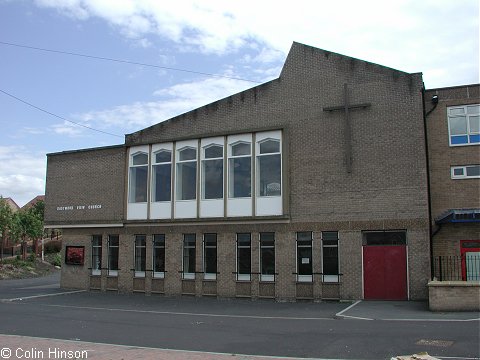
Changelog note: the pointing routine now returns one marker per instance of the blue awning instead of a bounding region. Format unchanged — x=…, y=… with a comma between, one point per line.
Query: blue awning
x=459, y=216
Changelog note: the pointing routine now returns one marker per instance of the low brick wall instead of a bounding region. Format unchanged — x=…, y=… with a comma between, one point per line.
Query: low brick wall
x=454, y=295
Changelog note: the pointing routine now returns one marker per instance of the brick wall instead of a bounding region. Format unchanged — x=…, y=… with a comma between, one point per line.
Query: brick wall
x=447, y=193
x=454, y=296
x=85, y=178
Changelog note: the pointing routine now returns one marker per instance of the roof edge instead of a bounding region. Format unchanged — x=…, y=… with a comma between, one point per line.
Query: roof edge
x=86, y=150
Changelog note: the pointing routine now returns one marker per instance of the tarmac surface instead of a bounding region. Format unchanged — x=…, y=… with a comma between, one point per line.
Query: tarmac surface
x=90, y=325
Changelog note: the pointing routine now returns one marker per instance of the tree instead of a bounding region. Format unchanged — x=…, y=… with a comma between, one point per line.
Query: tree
x=6, y=215
x=26, y=224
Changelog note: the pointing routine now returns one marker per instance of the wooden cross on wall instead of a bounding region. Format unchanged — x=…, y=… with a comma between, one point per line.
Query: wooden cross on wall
x=346, y=107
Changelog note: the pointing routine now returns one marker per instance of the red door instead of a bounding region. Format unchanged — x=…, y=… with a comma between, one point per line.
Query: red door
x=385, y=272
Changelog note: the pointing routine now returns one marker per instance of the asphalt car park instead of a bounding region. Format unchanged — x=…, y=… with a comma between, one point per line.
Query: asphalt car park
x=37, y=311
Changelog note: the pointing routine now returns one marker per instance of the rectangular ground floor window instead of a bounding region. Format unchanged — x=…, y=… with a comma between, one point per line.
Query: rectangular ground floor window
x=267, y=256
x=210, y=256
x=244, y=256
x=330, y=268
x=140, y=255
x=96, y=254
x=113, y=242
x=304, y=257
x=189, y=256
x=159, y=256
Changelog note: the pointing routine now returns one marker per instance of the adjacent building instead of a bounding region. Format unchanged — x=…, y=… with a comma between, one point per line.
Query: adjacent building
x=453, y=121
x=310, y=186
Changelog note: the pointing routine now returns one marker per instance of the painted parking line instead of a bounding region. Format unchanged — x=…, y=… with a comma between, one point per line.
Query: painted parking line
x=40, y=296
x=340, y=314
x=187, y=313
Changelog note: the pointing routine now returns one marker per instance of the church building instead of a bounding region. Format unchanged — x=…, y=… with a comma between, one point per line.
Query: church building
x=311, y=186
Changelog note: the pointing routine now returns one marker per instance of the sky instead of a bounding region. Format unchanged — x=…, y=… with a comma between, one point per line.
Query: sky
x=169, y=57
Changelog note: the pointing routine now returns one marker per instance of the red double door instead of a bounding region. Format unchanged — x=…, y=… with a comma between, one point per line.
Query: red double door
x=385, y=272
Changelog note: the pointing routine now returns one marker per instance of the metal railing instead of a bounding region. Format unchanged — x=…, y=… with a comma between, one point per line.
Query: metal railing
x=457, y=268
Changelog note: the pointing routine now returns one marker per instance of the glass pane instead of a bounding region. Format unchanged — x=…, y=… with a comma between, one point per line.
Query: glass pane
x=214, y=151
x=97, y=240
x=244, y=260
x=162, y=182
x=473, y=170
x=240, y=177
x=140, y=159
x=474, y=124
x=187, y=154
x=455, y=140
x=96, y=255
x=140, y=240
x=304, y=235
x=159, y=260
x=210, y=239
x=138, y=184
x=187, y=181
x=304, y=260
x=241, y=149
x=269, y=169
x=330, y=261
x=140, y=257
x=211, y=260
x=243, y=239
x=113, y=258
x=385, y=238
x=189, y=259
x=267, y=237
x=458, y=125
x=212, y=179
x=458, y=171
x=269, y=146
x=268, y=261
x=473, y=109
x=329, y=235
x=189, y=239
x=163, y=156
x=113, y=240
x=159, y=240
x=474, y=139
x=456, y=111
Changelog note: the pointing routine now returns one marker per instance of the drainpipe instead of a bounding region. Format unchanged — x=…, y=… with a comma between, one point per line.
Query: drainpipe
x=431, y=235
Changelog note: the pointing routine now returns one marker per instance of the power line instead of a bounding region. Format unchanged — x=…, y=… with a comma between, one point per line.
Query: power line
x=57, y=116
x=125, y=61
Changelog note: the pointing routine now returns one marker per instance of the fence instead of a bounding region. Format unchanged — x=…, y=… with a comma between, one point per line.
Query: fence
x=457, y=268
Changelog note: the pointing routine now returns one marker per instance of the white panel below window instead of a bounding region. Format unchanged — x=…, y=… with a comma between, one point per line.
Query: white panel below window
x=137, y=211
x=239, y=207
x=269, y=206
x=208, y=276
x=305, y=278
x=161, y=210
x=186, y=209
x=211, y=208
x=330, y=278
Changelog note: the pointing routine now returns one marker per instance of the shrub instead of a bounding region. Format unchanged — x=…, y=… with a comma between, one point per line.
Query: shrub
x=31, y=257
x=57, y=260
x=53, y=246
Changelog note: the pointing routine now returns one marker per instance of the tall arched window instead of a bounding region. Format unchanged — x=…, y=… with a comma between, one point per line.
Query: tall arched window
x=187, y=174
x=240, y=170
x=162, y=176
x=212, y=172
x=269, y=165
x=138, y=178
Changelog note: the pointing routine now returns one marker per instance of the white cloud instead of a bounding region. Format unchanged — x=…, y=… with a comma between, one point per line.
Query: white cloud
x=22, y=173
x=173, y=101
x=408, y=35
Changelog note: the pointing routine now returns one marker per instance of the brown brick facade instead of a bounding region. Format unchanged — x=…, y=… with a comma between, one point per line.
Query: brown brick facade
x=385, y=190
x=447, y=193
